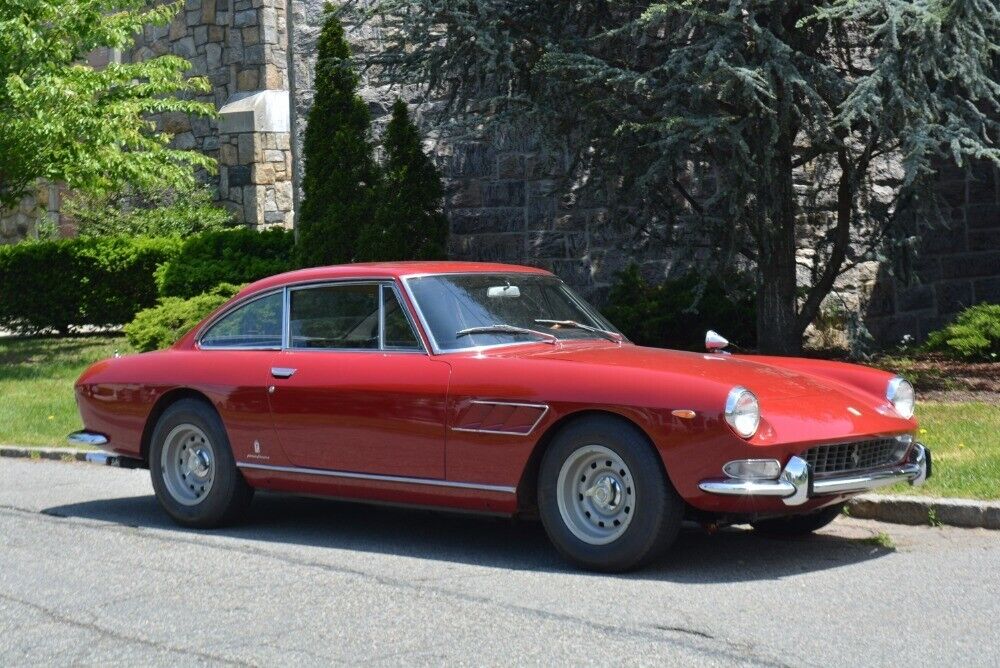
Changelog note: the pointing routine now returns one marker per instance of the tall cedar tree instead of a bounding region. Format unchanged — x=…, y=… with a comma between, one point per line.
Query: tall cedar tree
x=340, y=172
x=740, y=126
x=64, y=121
x=409, y=223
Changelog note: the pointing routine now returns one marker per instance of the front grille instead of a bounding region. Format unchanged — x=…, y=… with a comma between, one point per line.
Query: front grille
x=853, y=456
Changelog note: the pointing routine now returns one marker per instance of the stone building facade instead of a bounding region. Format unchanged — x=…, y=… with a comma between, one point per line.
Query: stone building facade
x=505, y=203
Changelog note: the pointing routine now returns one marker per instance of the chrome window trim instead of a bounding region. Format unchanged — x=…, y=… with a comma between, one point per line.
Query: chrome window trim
x=240, y=303
x=405, y=280
x=378, y=282
x=381, y=478
x=541, y=416
x=421, y=348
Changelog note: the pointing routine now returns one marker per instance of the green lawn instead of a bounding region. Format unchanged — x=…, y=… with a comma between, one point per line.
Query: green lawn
x=965, y=445
x=36, y=385
x=37, y=408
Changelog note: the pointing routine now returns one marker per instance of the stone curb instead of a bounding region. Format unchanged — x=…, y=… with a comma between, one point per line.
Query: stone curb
x=912, y=510
x=55, y=454
x=916, y=510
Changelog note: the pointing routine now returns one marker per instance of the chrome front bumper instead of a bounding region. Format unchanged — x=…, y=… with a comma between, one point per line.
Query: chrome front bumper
x=95, y=440
x=796, y=484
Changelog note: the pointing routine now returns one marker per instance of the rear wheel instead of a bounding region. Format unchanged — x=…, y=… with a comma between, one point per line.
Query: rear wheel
x=603, y=497
x=192, y=467
x=798, y=525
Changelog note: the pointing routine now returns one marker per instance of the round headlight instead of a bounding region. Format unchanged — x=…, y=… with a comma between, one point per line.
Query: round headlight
x=742, y=411
x=900, y=395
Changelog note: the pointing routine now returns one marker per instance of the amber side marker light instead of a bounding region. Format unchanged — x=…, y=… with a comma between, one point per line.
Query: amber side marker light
x=684, y=414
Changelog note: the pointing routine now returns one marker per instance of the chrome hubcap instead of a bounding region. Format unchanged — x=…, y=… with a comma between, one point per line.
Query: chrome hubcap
x=188, y=464
x=595, y=495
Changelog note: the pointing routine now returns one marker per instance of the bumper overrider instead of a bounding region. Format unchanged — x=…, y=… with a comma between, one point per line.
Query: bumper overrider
x=796, y=483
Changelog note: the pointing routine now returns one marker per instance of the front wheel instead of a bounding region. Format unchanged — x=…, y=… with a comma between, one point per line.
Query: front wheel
x=603, y=497
x=798, y=525
x=192, y=467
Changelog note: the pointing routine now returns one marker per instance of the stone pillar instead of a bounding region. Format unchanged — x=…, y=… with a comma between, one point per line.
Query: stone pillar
x=255, y=161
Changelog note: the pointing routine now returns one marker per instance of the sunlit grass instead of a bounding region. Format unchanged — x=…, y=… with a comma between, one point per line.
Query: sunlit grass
x=37, y=406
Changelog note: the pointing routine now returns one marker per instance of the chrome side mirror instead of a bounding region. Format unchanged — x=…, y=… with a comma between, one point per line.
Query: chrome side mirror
x=714, y=342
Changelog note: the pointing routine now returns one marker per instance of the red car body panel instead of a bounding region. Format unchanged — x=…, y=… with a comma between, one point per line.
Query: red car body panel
x=461, y=429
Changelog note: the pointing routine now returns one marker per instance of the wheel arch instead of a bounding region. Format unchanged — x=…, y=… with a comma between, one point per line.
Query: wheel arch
x=527, y=488
x=168, y=399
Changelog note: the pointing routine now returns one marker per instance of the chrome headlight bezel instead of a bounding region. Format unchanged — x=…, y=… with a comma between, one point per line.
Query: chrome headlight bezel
x=899, y=392
x=741, y=420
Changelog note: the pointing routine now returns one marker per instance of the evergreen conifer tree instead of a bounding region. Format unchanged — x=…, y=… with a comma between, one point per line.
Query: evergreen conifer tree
x=340, y=171
x=409, y=223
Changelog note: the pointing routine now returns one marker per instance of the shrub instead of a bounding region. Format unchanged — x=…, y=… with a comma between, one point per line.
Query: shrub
x=179, y=212
x=409, y=223
x=162, y=325
x=68, y=283
x=340, y=175
x=974, y=335
x=229, y=256
x=670, y=314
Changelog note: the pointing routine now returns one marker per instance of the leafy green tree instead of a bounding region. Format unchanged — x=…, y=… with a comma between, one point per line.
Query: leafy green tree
x=340, y=172
x=178, y=212
x=65, y=121
x=409, y=223
x=740, y=126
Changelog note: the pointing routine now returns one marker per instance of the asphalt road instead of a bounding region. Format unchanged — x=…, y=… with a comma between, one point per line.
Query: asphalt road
x=92, y=573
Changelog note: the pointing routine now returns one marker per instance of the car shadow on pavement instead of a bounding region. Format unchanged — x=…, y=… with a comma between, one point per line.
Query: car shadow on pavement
x=734, y=554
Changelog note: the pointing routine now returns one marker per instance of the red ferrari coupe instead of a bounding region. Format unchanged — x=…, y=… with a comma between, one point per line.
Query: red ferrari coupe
x=492, y=388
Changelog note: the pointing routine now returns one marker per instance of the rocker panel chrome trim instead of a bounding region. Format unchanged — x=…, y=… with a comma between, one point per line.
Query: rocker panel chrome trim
x=380, y=478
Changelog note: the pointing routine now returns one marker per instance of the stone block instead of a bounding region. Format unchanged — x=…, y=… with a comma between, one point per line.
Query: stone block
x=511, y=166
x=487, y=221
x=463, y=193
x=251, y=35
x=177, y=28
x=239, y=176
x=971, y=265
x=228, y=154
x=987, y=290
x=503, y=193
x=274, y=77
x=175, y=122
x=246, y=17
x=984, y=240
x=200, y=35
x=274, y=155
x=263, y=173
x=247, y=79
x=915, y=298
x=546, y=245
x=213, y=56
x=283, y=195
x=208, y=11
x=185, y=48
x=245, y=143
x=983, y=216
x=216, y=33
x=184, y=141
x=192, y=18
x=943, y=240
x=254, y=55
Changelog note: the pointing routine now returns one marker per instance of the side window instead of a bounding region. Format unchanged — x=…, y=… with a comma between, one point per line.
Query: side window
x=334, y=317
x=399, y=334
x=254, y=325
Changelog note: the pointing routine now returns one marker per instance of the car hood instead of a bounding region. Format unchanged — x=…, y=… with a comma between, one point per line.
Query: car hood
x=767, y=381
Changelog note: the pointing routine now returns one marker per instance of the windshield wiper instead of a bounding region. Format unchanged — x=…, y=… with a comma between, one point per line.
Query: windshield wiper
x=610, y=336
x=507, y=329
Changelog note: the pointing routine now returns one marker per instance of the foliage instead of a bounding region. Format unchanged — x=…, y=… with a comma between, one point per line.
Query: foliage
x=68, y=283
x=340, y=172
x=678, y=312
x=409, y=222
x=229, y=256
x=36, y=380
x=177, y=212
x=738, y=126
x=63, y=120
x=974, y=335
x=164, y=324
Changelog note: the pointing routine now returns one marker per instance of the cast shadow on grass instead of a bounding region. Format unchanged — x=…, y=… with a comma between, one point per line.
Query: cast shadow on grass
x=731, y=555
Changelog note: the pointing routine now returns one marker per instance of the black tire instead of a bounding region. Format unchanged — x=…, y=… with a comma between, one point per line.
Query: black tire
x=229, y=495
x=656, y=518
x=798, y=525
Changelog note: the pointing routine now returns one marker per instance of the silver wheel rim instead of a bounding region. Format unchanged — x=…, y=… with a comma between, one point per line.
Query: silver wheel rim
x=596, y=495
x=188, y=464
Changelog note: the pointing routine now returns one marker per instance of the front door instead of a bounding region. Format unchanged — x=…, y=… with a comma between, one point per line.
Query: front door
x=354, y=390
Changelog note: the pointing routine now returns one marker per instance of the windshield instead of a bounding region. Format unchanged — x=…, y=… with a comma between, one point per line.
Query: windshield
x=454, y=303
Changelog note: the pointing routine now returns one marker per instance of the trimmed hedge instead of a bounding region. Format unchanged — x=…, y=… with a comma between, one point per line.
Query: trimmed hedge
x=69, y=283
x=229, y=256
x=162, y=325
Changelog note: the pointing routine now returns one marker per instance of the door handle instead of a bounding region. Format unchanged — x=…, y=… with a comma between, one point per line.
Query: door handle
x=282, y=372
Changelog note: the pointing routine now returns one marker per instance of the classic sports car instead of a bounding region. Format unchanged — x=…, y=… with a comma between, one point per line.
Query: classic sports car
x=492, y=388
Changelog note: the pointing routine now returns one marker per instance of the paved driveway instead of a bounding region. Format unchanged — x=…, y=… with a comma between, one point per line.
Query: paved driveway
x=90, y=572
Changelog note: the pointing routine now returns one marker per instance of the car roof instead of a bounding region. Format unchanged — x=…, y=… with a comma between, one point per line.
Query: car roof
x=385, y=270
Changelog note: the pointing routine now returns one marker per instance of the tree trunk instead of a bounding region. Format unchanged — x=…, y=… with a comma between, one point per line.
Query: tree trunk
x=778, y=332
